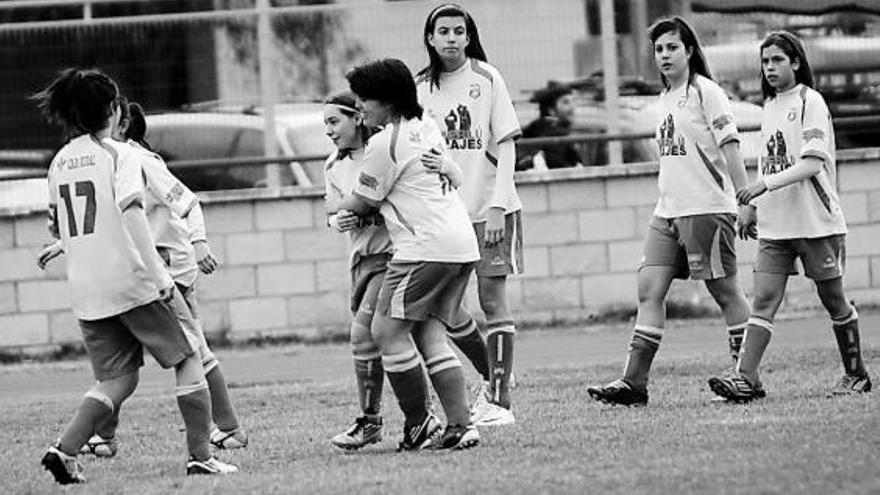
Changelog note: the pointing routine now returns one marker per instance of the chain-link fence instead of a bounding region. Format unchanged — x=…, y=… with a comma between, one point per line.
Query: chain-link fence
x=210, y=69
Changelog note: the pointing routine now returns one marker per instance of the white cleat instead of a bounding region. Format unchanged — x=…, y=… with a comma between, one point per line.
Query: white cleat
x=209, y=466
x=492, y=415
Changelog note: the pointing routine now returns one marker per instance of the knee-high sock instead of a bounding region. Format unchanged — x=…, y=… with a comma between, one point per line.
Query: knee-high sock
x=735, y=335
x=500, y=346
x=94, y=407
x=370, y=375
x=221, y=403
x=468, y=339
x=194, y=402
x=643, y=346
x=407, y=379
x=446, y=374
x=107, y=428
x=755, y=342
x=846, y=331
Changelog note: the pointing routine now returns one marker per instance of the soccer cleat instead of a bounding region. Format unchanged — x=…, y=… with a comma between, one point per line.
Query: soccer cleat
x=363, y=432
x=65, y=468
x=209, y=466
x=492, y=414
x=457, y=437
x=420, y=436
x=100, y=447
x=228, y=440
x=736, y=388
x=851, y=385
x=619, y=392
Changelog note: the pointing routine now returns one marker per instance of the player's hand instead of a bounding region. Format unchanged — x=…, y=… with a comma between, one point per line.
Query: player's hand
x=747, y=221
x=49, y=253
x=347, y=220
x=204, y=257
x=750, y=192
x=494, y=232
x=167, y=294
x=432, y=160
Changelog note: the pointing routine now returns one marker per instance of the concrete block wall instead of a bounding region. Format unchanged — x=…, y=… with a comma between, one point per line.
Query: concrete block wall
x=284, y=273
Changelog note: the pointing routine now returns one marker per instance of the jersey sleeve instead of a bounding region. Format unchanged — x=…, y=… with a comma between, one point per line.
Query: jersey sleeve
x=719, y=115
x=53, y=201
x=817, y=134
x=503, y=123
x=128, y=178
x=332, y=191
x=168, y=188
x=380, y=170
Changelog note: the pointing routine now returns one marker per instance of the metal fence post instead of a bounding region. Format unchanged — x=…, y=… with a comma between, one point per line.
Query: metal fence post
x=268, y=89
x=609, y=70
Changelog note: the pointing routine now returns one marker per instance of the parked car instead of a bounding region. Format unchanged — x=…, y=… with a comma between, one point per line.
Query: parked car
x=229, y=132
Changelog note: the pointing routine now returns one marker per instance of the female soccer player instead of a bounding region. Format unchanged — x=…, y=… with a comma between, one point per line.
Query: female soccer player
x=178, y=228
x=434, y=252
x=371, y=249
x=692, y=231
x=118, y=282
x=469, y=101
x=799, y=216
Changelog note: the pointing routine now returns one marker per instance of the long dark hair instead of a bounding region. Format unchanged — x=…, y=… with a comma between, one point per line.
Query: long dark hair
x=346, y=102
x=137, y=125
x=389, y=81
x=697, y=63
x=474, y=49
x=794, y=49
x=80, y=100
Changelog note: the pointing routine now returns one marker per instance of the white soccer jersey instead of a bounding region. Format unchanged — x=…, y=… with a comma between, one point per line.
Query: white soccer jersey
x=694, y=179
x=90, y=183
x=796, y=124
x=167, y=202
x=473, y=109
x=426, y=220
x=340, y=178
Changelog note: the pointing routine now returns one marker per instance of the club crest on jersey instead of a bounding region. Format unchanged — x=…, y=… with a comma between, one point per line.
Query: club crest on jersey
x=681, y=102
x=460, y=132
x=474, y=91
x=669, y=145
x=368, y=180
x=792, y=114
x=777, y=158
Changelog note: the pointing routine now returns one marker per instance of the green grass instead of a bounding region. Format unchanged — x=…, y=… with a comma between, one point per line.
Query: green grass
x=795, y=441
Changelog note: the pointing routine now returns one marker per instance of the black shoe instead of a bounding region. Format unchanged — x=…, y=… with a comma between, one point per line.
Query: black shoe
x=736, y=388
x=619, y=392
x=457, y=437
x=420, y=436
x=65, y=468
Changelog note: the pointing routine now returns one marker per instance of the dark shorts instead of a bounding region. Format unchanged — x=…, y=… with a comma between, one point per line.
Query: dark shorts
x=701, y=247
x=367, y=268
x=506, y=257
x=416, y=291
x=823, y=258
x=115, y=344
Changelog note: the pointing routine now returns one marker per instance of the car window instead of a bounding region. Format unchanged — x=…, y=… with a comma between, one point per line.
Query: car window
x=186, y=141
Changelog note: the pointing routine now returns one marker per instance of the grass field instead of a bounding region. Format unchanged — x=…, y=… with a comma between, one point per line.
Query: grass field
x=795, y=441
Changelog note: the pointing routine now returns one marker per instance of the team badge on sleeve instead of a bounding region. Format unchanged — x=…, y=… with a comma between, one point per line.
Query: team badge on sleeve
x=810, y=134
x=722, y=121
x=368, y=180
